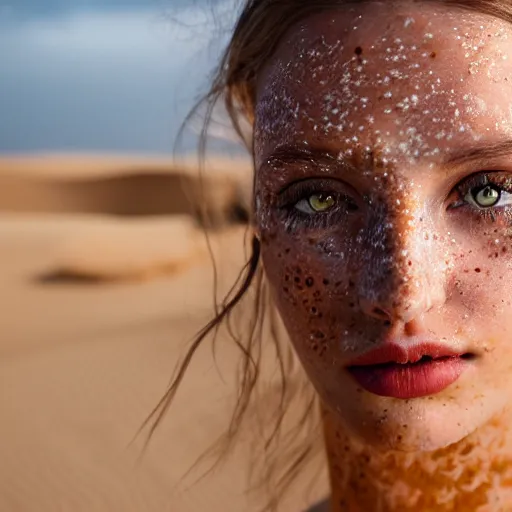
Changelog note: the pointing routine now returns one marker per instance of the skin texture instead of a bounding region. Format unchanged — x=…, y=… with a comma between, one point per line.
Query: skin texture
x=400, y=112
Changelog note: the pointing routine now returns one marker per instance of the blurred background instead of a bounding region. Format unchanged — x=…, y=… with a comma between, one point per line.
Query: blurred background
x=106, y=275
x=105, y=75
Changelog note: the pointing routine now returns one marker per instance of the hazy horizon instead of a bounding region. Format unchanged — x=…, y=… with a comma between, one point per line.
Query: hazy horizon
x=105, y=75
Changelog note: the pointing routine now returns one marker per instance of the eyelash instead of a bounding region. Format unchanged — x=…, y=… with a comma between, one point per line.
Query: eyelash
x=481, y=180
x=303, y=190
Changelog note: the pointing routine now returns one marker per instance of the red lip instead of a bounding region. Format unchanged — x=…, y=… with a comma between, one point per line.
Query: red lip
x=408, y=372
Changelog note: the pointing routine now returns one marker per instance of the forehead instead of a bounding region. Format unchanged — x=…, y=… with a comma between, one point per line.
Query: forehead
x=413, y=78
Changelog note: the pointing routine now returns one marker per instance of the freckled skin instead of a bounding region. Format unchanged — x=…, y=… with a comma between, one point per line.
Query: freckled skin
x=392, y=94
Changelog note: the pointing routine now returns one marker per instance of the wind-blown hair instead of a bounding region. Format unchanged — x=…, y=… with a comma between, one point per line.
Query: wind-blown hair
x=260, y=27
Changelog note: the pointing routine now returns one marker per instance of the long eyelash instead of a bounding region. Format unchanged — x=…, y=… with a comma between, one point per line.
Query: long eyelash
x=302, y=190
x=495, y=214
x=499, y=180
x=295, y=218
x=474, y=181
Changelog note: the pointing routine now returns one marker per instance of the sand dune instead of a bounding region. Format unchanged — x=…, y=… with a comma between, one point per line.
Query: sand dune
x=103, y=249
x=77, y=166
x=96, y=310
x=125, y=188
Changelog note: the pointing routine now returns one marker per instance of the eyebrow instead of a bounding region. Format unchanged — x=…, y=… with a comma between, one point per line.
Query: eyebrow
x=484, y=152
x=293, y=154
x=480, y=153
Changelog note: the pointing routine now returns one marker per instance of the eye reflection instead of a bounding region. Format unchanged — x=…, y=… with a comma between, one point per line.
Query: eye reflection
x=316, y=203
x=486, y=197
x=485, y=192
x=490, y=195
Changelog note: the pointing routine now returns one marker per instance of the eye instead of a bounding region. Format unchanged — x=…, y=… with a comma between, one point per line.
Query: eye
x=316, y=203
x=488, y=196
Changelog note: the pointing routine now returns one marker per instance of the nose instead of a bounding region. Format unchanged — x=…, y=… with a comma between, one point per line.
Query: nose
x=403, y=272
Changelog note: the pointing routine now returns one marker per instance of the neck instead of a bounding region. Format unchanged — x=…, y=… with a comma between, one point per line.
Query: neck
x=474, y=474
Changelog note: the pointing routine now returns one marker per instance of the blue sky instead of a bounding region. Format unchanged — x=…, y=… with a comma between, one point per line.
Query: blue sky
x=104, y=75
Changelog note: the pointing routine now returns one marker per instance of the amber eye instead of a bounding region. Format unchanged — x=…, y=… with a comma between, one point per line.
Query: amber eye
x=316, y=203
x=486, y=197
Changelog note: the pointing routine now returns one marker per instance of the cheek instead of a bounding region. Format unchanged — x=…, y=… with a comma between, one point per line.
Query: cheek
x=315, y=297
x=482, y=271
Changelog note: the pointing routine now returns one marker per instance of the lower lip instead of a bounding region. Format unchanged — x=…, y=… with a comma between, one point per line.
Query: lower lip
x=409, y=380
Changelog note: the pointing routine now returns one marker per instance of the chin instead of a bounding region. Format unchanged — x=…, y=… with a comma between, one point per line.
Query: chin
x=420, y=424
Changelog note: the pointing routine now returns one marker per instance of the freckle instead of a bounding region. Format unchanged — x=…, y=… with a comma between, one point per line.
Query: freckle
x=326, y=281
x=409, y=263
x=310, y=282
x=503, y=249
x=399, y=438
x=285, y=290
x=358, y=50
x=351, y=284
x=478, y=270
x=352, y=305
x=433, y=55
x=297, y=279
x=287, y=251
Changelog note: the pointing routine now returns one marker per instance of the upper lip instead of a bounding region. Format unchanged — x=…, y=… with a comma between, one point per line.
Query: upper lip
x=392, y=352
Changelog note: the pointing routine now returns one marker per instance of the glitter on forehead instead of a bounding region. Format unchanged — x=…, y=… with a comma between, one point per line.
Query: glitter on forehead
x=428, y=106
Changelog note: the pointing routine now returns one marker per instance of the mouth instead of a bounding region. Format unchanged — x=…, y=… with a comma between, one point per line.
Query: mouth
x=421, y=370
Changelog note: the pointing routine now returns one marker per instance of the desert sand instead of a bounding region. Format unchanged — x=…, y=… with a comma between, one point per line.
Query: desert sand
x=105, y=279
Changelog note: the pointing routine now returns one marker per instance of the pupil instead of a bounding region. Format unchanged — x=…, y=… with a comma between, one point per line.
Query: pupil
x=321, y=198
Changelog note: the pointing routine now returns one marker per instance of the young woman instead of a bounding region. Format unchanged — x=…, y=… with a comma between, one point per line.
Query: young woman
x=381, y=134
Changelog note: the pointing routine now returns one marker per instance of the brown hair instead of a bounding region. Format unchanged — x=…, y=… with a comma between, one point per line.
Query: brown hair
x=260, y=27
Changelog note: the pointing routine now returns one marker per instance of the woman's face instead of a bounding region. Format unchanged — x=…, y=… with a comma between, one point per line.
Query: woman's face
x=383, y=152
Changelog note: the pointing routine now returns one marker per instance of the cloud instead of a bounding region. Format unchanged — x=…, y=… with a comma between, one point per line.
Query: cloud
x=30, y=9
x=102, y=80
